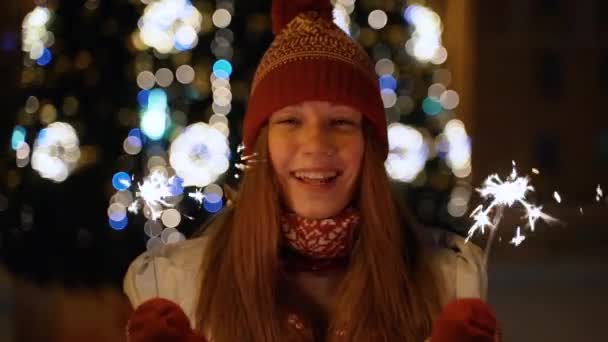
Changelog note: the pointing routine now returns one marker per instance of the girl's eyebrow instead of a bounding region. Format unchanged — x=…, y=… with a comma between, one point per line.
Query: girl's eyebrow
x=290, y=110
x=341, y=110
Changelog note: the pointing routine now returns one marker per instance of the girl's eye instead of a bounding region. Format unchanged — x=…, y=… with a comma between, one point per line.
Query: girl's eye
x=289, y=121
x=343, y=122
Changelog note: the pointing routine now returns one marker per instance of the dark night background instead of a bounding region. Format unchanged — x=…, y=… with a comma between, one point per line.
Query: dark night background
x=532, y=76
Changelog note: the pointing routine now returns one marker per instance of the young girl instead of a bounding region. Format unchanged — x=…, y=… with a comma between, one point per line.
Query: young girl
x=315, y=246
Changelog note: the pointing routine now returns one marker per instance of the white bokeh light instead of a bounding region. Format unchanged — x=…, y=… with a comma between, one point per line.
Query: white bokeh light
x=377, y=19
x=425, y=43
x=35, y=35
x=408, y=152
x=200, y=155
x=456, y=145
x=170, y=25
x=56, y=151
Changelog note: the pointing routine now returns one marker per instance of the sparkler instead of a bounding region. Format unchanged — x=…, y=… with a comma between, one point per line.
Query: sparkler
x=599, y=193
x=518, y=238
x=198, y=196
x=154, y=191
x=505, y=194
x=557, y=197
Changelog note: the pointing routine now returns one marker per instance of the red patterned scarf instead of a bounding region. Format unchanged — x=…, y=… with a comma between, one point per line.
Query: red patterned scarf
x=317, y=244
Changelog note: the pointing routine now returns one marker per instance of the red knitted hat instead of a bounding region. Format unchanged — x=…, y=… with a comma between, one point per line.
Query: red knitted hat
x=312, y=59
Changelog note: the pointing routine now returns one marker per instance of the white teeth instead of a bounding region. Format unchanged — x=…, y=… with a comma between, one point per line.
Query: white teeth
x=316, y=175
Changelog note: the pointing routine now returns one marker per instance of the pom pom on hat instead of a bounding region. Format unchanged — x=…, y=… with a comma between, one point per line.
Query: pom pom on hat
x=283, y=11
x=465, y=320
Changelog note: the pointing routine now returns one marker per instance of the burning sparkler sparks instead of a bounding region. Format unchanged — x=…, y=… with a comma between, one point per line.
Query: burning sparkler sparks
x=599, y=193
x=505, y=194
x=518, y=238
x=197, y=196
x=154, y=191
x=557, y=197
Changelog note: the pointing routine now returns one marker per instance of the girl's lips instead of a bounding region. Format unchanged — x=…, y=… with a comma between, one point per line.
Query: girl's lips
x=316, y=184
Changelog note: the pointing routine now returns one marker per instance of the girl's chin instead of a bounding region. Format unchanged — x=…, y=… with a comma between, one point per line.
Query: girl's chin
x=317, y=212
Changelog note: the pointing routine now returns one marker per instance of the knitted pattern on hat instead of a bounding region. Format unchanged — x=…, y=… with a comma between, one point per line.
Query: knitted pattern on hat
x=312, y=59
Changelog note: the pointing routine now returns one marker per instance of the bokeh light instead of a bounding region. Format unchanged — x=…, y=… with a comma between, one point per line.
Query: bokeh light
x=121, y=181
x=222, y=69
x=454, y=145
x=185, y=74
x=56, y=151
x=117, y=212
x=154, y=119
x=170, y=26
x=425, y=43
x=171, y=218
x=119, y=225
x=213, y=193
x=385, y=66
x=388, y=82
x=449, y=99
x=442, y=76
x=32, y=104
x=199, y=155
x=153, y=228
x=458, y=204
x=431, y=106
x=389, y=98
x=18, y=137
x=377, y=19
x=35, y=35
x=213, y=207
x=164, y=77
x=45, y=58
x=341, y=15
x=436, y=90
x=408, y=152
x=23, y=155
x=221, y=18
x=146, y=80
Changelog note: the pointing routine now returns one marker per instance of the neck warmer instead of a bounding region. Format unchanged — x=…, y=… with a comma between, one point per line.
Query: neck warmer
x=320, y=239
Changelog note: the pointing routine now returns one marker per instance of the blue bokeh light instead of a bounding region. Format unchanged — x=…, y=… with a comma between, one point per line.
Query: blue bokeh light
x=213, y=207
x=18, y=137
x=119, y=225
x=177, y=186
x=431, y=106
x=46, y=58
x=43, y=138
x=121, y=181
x=388, y=82
x=222, y=69
x=213, y=198
x=157, y=99
x=142, y=97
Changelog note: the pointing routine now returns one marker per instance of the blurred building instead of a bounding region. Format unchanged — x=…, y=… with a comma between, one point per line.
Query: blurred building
x=536, y=72
x=541, y=79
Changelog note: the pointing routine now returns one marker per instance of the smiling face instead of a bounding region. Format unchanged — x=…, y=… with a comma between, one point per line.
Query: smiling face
x=316, y=149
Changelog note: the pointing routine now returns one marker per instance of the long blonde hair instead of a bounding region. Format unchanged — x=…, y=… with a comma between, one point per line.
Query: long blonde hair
x=387, y=294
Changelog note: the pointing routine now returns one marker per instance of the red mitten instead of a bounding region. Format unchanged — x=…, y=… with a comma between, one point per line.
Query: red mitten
x=160, y=320
x=465, y=320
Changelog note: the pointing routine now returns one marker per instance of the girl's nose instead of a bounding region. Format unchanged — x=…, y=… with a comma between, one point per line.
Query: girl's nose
x=317, y=139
